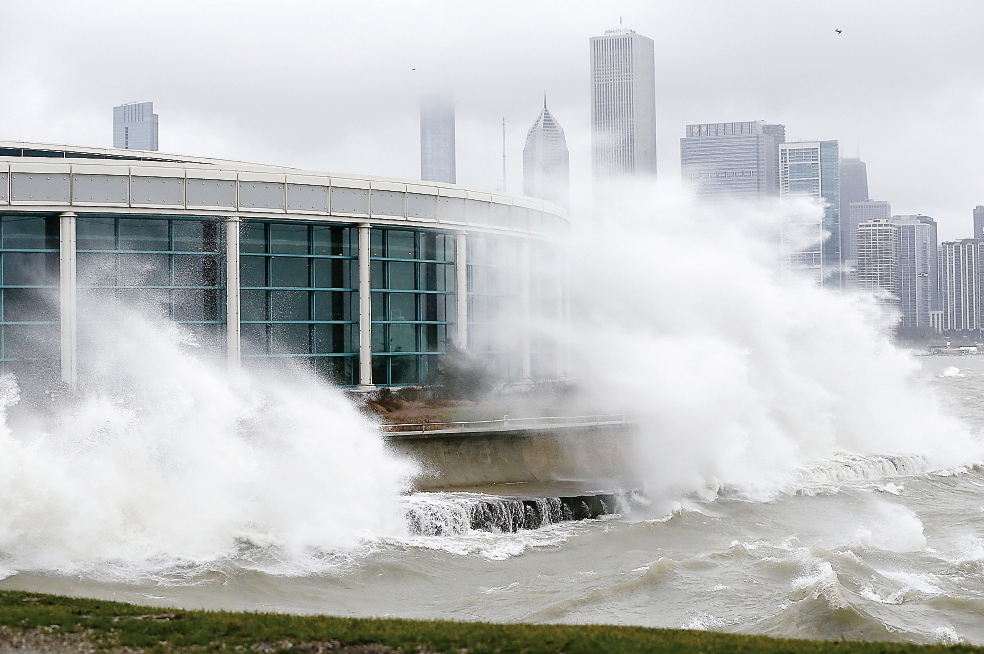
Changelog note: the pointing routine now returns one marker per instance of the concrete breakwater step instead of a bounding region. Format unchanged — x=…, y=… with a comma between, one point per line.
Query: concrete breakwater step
x=448, y=514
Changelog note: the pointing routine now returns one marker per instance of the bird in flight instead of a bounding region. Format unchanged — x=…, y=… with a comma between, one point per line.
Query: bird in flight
x=839, y=31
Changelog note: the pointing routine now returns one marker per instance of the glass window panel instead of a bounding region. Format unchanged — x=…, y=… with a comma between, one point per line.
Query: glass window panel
x=290, y=339
x=253, y=305
x=143, y=234
x=337, y=241
x=254, y=338
x=428, y=246
x=403, y=370
x=401, y=275
x=334, y=305
x=402, y=306
x=290, y=305
x=428, y=277
x=252, y=271
x=196, y=270
x=402, y=338
x=252, y=237
x=144, y=270
x=400, y=244
x=156, y=302
x=380, y=370
x=375, y=242
x=340, y=370
x=29, y=305
x=195, y=236
x=379, y=338
x=194, y=305
x=94, y=233
x=333, y=339
x=30, y=233
x=376, y=275
x=289, y=271
x=29, y=342
x=30, y=268
x=378, y=311
x=288, y=239
x=333, y=273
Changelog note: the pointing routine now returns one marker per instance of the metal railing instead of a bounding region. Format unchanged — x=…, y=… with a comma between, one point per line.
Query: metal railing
x=507, y=424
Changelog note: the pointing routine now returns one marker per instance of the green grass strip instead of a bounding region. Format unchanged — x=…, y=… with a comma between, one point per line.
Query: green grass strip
x=111, y=625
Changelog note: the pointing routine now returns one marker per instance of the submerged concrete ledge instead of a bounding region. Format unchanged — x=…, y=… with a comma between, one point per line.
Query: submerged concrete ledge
x=463, y=456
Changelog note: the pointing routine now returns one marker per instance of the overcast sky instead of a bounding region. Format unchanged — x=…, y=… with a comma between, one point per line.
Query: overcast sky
x=332, y=86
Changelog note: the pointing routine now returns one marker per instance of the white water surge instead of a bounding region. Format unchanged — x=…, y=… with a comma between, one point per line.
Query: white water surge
x=804, y=476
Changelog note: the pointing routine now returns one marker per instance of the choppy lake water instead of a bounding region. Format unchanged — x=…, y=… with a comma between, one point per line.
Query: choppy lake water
x=862, y=547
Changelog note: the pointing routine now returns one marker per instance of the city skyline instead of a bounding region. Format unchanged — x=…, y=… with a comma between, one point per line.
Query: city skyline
x=367, y=108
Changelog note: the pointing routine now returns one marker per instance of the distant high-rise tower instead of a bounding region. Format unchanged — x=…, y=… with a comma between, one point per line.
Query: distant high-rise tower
x=736, y=160
x=546, y=161
x=853, y=188
x=623, y=105
x=437, y=139
x=135, y=126
x=878, y=257
x=857, y=213
x=979, y=221
x=916, y=250
x=810, y=169
x=960, y=284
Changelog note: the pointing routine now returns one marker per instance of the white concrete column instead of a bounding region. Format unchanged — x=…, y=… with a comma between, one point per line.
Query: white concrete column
x=233, y=306
x=365, y=311
x=524, y=310
x=461, y=290
x=68, y=299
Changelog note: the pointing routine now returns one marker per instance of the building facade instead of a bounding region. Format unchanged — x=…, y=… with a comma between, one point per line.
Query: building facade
x=857, y=213
x=878, y=258
x=362, y=279
x=916, y=246
x=811, y=242
x=623, y=105
x=853, y=188
x=979, y=221
x=437, y=148
x=546, y=161
x=732, y=160
x=960, y=285
x=135, y=126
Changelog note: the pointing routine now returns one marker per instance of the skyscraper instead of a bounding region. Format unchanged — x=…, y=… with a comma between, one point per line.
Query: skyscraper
x=810, y=169
x=853, y=188
x=437, y=163
x=915, y=279
x=736, y=160
x=960, y=284
x=135, y=126
x=857, y=213
x=878, y=257
x=936, y=303
x=623, y=105
x=979, y=221
x=546, y=161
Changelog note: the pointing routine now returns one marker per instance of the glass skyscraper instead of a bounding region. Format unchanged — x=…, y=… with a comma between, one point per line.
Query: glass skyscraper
x=810, y=169
x=623, y=105
x=732, y=160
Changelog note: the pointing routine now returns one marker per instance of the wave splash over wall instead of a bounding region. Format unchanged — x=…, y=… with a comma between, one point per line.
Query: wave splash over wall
x=742, y=379
x=163, y=462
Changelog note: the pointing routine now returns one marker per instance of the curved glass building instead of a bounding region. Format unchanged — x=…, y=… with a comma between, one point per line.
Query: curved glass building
x=363, y=279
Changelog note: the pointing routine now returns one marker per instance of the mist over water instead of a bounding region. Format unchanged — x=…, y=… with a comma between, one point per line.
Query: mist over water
x=165, y=463
x=741, y=379
x=803, y=475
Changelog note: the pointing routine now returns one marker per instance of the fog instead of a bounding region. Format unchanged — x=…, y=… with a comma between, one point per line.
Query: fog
x=335, y=86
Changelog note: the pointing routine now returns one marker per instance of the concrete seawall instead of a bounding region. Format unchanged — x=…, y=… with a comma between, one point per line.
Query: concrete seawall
x=594, y=453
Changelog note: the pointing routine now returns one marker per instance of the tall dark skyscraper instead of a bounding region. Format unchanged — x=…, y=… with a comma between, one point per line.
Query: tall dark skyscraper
x=437, y=163
x=546, y=161
x=853, y=188
x=979, y=221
